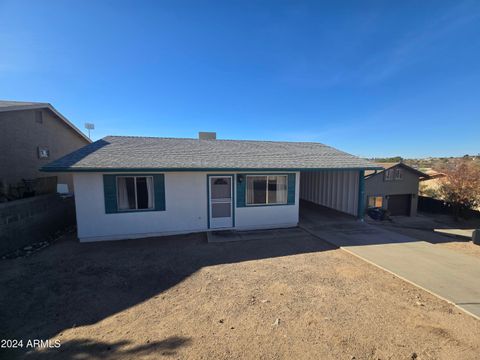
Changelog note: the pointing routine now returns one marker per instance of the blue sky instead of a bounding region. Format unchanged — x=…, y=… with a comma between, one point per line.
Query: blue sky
x=374, y=78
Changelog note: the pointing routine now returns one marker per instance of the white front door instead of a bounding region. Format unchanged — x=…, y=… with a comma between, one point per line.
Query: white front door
x=220, y=201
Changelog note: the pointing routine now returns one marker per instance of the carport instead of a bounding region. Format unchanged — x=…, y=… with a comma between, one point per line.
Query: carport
x=339, y=189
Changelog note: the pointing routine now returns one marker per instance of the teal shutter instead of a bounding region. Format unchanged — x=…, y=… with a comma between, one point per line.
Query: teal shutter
x=110, y=193
x=241, y=190
x=291, y=189
x=159, y=189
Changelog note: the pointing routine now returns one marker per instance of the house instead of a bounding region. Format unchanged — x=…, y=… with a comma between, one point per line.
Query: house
x=31, y=135
x=430, y=186
x=131, y=187
x=395, y=188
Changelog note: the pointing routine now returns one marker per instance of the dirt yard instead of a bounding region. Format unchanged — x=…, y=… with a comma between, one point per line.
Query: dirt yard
x=466, y=247
x=294, y=297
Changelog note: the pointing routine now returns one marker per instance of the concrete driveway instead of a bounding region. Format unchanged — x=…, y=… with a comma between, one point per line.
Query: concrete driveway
x=453, y=276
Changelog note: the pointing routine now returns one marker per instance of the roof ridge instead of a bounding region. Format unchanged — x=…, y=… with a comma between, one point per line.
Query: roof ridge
x=17, y=102
x=238, y=140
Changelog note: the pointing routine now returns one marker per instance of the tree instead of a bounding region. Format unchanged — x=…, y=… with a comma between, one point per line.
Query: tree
x=461, y=185
x=427, y=191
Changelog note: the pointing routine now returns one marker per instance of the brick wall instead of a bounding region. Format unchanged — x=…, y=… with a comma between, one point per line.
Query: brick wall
x=26, y=221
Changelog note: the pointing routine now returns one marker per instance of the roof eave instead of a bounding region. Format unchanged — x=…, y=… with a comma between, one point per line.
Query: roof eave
x=80, y=169
x=422, y=176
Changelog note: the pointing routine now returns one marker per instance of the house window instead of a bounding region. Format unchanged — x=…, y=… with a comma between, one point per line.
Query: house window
x=43, y=152
x=389, y=174
x=39, y=117
x=393, y=174
x=375, y=201
x=398, y=174
x=135, y=193
x=263, y=189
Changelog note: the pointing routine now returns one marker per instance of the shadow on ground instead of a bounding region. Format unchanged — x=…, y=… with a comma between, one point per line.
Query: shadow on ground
x=345, y=230
x=72, y=284
x=91, y=349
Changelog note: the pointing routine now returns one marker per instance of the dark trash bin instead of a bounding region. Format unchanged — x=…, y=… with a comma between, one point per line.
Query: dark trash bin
x=476, y=237
x=377, y=213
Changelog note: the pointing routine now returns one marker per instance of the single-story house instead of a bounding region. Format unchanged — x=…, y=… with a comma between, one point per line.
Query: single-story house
x=395, y=188
x=131, y=187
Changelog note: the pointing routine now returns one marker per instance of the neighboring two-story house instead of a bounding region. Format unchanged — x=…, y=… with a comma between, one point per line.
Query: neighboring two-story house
x=395, y=188
x=32, y=135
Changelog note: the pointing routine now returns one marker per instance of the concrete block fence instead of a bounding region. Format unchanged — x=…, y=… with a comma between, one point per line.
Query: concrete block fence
x=26, y=221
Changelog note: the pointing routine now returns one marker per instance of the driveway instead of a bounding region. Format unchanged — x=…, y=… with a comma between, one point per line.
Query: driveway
x=453, y=276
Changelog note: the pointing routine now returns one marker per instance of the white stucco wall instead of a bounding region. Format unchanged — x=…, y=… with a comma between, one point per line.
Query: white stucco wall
x=258, y=217
x=186, y=210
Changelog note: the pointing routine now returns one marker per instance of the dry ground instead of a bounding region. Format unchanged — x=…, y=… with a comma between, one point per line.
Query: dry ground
x=294, y=297
x=422, y=228
x=466, y=247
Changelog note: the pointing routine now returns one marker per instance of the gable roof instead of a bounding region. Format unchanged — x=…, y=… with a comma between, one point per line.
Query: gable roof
x=387, y=166
x=118, y=153
x=6, y=105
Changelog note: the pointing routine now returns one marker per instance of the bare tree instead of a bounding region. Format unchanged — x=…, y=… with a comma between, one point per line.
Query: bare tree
x=461, y=185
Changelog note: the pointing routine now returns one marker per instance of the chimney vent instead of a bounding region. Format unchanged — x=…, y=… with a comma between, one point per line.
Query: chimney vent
x=202, y=135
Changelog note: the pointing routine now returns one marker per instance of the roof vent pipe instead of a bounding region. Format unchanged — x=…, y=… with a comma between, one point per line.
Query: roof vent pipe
x=202, y=135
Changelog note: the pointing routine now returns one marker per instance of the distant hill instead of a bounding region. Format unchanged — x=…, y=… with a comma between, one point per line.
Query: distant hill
x=426, y=163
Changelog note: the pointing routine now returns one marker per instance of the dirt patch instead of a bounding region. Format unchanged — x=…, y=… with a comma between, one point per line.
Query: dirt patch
x=450, y=242
x=180, y=297
x=466, y=247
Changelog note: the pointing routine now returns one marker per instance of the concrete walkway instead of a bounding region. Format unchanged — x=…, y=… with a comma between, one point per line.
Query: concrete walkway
x=452, y=276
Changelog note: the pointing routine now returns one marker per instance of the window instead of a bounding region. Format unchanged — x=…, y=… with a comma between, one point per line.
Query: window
x=393, y=174
x=39, y=117
x=135, y=193
x=398, y=174
x=389, y=174
x=375, y=201
x=263, y=189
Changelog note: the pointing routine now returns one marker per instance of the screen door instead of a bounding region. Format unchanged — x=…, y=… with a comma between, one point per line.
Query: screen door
x=220, y=202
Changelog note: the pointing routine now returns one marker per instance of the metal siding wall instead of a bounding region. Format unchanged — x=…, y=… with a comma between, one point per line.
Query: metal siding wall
x=335, y=189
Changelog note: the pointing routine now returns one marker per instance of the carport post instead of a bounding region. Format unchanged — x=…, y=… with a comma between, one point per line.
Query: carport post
x=361, y=194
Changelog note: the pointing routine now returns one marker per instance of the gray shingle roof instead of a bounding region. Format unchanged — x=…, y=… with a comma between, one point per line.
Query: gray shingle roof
x=137, y=153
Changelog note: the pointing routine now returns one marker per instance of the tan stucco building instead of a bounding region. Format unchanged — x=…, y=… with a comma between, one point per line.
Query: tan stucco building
x=32, y=135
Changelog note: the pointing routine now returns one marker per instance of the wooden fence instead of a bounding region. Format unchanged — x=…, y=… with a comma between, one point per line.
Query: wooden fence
x=431, y=205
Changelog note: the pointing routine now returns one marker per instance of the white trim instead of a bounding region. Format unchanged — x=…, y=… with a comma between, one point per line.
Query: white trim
x=45, y=106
